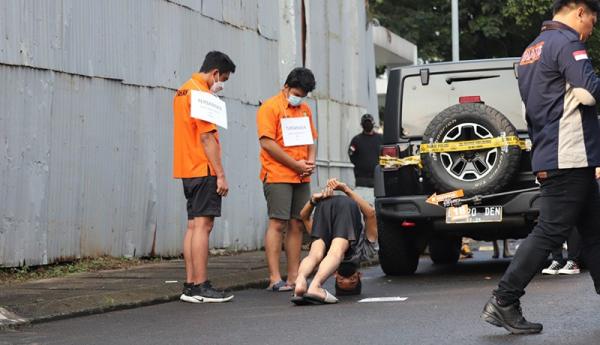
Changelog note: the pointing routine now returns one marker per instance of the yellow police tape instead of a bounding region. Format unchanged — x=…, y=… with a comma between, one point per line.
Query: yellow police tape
x=454, y=146
x=480, y=144
x=388, y=162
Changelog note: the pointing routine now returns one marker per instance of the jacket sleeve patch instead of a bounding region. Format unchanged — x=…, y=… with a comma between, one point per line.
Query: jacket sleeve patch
x=532, y=54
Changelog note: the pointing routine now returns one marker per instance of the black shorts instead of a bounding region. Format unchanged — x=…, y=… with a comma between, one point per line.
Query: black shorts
x=337, y=216
x=202, y=197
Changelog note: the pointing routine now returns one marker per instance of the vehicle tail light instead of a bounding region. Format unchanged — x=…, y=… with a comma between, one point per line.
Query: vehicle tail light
x=407, y=224
x=391, y=151
x=469, y=99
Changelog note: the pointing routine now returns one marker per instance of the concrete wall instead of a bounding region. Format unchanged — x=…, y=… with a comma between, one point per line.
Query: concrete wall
x=86, y=116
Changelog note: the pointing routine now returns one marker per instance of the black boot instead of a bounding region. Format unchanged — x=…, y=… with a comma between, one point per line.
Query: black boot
x=509, y=317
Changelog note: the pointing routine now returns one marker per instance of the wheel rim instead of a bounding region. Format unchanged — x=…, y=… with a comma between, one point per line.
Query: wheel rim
x=469, y=166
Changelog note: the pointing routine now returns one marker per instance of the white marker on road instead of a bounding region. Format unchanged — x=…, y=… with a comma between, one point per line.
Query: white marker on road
x=383, y=299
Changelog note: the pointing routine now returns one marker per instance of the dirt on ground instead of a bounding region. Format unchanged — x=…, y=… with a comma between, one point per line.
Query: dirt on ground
x=26, y=273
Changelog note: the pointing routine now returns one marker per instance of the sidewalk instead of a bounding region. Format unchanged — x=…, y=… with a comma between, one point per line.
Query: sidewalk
x=98, y=292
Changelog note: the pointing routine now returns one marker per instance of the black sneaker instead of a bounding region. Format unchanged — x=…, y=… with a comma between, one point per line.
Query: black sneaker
x=186, y=294
x=205, y=293
x=509, y=317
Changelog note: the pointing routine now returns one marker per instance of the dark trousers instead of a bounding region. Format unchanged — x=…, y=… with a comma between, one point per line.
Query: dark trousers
x=569, y=198
x=573, y=242
x=363, y=181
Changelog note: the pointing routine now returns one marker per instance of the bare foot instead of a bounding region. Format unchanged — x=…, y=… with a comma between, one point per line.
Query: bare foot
x=291, y=283
x=301, y=286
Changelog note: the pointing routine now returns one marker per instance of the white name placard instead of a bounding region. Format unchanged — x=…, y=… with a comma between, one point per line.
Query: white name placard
x=209, y=108
x=296, y=131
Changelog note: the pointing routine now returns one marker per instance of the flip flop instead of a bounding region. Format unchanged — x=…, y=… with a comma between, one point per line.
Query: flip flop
x=280, y=286
x=318, y=300
x=299, y=300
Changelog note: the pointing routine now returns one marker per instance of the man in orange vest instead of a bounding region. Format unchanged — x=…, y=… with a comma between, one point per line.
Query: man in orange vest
x=286, y=133
x=197, y=162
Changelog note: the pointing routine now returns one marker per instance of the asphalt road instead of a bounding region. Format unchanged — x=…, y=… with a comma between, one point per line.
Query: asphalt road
x=443, y=307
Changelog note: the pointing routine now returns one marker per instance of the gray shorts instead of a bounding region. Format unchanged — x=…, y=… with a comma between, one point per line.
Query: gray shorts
x=286, y=200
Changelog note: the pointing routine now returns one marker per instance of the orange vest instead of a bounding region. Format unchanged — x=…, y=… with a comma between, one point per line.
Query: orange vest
x=189, y=159
x=268, y=122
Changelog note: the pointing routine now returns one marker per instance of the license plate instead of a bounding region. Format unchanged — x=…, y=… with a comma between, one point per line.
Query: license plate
x=473, y=214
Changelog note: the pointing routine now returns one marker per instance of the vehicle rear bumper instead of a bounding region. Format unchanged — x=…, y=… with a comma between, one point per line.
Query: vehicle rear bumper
x=416, y=208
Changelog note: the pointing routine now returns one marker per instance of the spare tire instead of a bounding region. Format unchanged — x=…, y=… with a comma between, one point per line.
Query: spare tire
x=476, y=172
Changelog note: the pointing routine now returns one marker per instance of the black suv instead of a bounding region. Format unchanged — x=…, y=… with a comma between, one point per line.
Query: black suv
x=450, y=103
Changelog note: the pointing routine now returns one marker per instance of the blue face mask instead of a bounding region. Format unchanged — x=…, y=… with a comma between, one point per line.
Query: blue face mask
x=295, y=100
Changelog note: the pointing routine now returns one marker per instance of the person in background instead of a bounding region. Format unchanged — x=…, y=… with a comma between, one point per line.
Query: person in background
x=364, y=152
x=505, y=249
x=558, y=266
x=466, y=253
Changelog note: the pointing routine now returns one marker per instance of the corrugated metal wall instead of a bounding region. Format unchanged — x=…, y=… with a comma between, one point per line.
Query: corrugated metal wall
x=86, y=115
x=340, y=52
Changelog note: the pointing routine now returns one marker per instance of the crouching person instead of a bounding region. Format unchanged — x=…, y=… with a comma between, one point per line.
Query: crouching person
x=343, y=229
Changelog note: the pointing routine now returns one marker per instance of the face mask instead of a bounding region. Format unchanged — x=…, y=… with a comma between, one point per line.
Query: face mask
x=217, y=86
x=295, y=100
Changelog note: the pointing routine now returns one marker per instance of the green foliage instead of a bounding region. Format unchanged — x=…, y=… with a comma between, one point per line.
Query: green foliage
x=26, y=273
x=426, y=23
x=488, y=29
x=530, y=12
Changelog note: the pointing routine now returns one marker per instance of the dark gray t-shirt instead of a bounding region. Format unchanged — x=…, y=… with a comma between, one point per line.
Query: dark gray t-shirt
x=340, y=216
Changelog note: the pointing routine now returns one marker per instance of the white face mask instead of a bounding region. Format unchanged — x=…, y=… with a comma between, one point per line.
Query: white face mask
x=295, y=100
x=217, y=86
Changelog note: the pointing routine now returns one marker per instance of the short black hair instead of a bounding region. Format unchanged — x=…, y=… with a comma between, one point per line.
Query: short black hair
x=593, y=5
x=301, y=78
x=218, y=60
x=347, y=269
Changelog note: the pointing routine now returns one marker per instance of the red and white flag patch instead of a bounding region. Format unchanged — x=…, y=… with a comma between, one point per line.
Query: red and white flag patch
x=580, y=55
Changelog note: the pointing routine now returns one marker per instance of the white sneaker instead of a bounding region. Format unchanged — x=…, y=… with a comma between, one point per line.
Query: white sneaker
x=553, y=269
x=570, y=268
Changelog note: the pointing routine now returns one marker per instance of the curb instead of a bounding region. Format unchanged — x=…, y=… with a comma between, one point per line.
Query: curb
x=11, y=321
